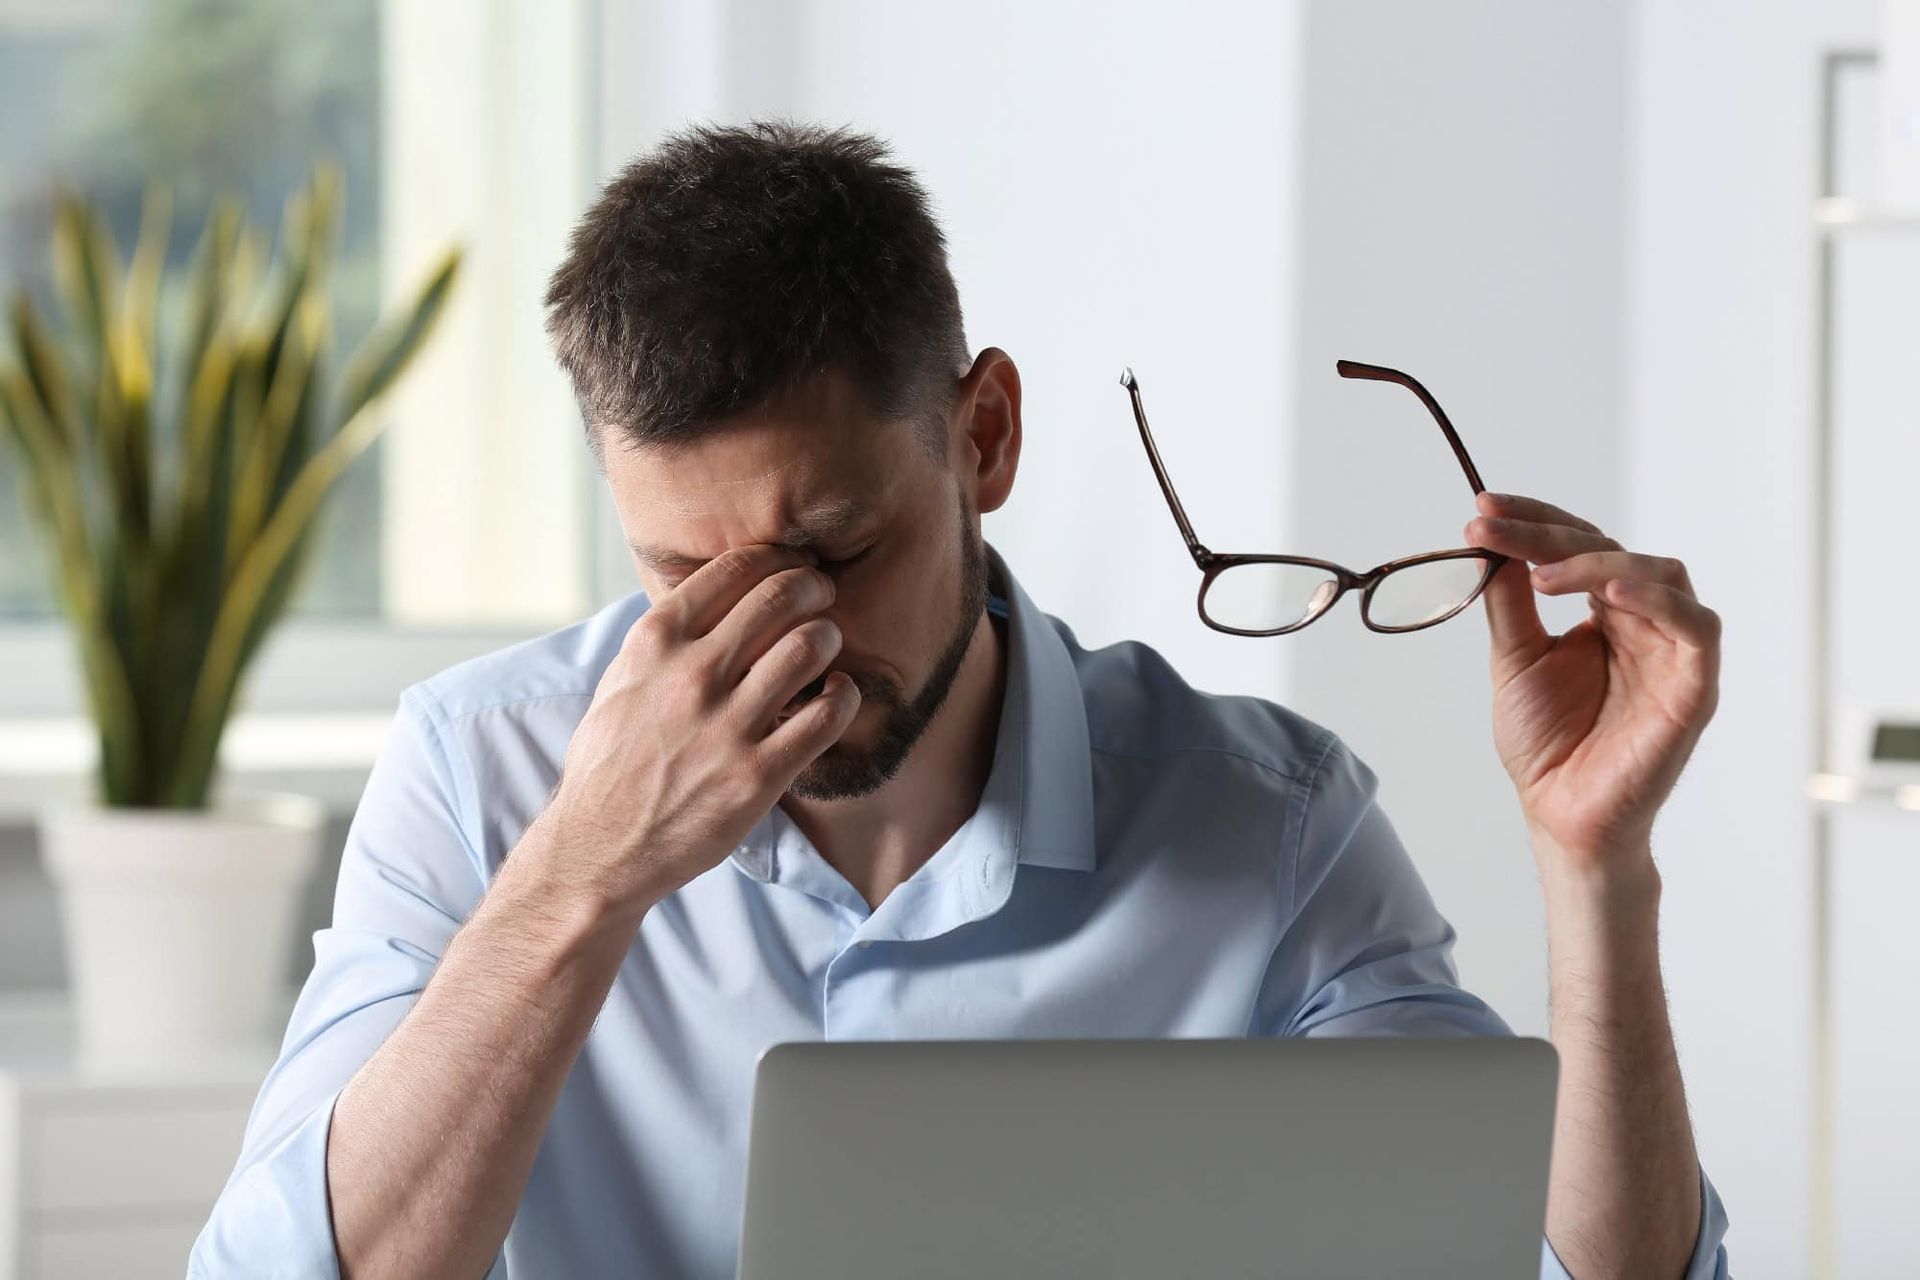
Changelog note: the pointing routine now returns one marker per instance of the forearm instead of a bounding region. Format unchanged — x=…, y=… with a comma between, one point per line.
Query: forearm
x=1624, y=1194
x=433, y=1140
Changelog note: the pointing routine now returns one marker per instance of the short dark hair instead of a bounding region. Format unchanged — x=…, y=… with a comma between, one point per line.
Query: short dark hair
x=735, y=262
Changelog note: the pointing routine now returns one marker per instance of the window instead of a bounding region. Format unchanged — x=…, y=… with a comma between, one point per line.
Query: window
x=474, y=520
x=206, y=97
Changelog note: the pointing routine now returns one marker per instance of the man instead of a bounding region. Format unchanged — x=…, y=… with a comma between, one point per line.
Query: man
x=835, y=775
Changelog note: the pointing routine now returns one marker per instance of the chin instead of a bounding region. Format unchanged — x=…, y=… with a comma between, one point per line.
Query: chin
x=838, y=774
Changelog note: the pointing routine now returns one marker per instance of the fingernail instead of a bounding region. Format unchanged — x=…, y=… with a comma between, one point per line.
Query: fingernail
x=1498, y=499
x=1547, y=571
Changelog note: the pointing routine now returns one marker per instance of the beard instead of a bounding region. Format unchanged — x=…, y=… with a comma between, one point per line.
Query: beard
x=843, y=772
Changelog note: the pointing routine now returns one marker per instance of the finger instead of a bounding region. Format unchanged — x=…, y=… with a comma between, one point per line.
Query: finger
x=1513, y=620
x=794, y=662
x=1677, y=614
x=1515, y=507
x=709, y=593
x=797, y=742
x=1624, y=629
x=1535, y=541
x=770, y=611
x=1594, y=569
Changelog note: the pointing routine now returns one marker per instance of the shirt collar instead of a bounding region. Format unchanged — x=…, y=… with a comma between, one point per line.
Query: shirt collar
x=1038, y=802
x=1055, y=802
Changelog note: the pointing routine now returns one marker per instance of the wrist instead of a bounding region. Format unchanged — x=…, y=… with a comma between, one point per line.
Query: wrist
x=1602, y=907
x=568, y=910
x=1620, y=881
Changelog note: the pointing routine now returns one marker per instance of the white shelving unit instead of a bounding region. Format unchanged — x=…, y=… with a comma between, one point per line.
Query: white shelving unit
x=108, y=1173
x=1835, y=218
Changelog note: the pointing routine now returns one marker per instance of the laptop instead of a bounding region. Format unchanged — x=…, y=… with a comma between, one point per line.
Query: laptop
x=1149, y=1158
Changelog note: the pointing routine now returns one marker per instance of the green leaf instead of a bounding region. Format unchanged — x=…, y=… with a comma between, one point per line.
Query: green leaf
x=76, y=582
x=258, y=483
x=85, y=270
x=208, y=284
x=46, y=376
x=132, y=356
x=388, y=350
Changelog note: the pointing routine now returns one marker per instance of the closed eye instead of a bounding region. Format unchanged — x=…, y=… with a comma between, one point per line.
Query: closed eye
x=828, y=566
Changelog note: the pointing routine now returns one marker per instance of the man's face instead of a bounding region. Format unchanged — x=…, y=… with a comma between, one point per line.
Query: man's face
x=817, y=471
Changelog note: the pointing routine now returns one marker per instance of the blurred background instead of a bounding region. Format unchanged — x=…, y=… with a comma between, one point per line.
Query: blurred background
x=1595, y=230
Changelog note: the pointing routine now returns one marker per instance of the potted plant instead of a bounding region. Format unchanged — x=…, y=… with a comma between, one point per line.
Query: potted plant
x=176, y=484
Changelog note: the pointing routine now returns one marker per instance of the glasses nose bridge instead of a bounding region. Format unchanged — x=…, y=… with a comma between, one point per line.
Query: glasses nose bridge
x=1361, y=586
x=1353, y=581
x=1344, y=582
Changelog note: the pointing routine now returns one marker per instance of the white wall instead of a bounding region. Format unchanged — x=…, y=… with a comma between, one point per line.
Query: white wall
x=1462, y=219
x=1116, y=190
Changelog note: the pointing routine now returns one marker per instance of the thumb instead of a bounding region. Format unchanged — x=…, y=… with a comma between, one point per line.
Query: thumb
x=1513, y=618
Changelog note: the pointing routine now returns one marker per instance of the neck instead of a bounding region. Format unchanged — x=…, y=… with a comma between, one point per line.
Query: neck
x=878, y=840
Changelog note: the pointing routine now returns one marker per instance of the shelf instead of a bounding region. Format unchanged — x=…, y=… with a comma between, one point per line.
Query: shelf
x=38, y=1048
x=322, y=754
x=1838, y=213
x=1840, y=789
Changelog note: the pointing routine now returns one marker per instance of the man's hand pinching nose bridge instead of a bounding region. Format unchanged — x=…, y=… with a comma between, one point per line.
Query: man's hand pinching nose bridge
x=718, y=698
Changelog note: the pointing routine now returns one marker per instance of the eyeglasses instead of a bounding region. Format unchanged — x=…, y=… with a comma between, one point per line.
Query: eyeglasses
x=1254, y=595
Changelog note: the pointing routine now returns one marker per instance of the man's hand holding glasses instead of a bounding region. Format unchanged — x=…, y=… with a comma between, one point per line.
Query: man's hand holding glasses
x=1593, y=726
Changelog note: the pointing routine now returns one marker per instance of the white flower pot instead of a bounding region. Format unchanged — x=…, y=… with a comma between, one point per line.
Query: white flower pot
x=179, y=923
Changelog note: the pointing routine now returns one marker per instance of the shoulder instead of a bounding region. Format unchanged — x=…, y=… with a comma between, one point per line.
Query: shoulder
x=1139, y=706
x=1268, y=794
x=566, y=663
x=483, y=741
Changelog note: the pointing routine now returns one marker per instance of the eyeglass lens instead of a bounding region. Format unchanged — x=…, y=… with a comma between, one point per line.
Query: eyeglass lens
x=1273, y=596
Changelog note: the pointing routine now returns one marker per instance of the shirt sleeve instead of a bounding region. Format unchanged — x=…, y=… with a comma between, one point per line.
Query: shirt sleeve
x=408, y=878
x=1366, y=952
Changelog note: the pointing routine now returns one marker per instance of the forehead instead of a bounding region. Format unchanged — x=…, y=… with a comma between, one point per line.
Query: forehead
x=813, y=465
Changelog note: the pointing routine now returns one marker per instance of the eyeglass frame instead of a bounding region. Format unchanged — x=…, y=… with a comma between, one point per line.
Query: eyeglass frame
x=1213, y=564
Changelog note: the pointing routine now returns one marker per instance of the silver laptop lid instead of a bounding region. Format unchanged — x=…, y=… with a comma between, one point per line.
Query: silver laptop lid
x=1154, y=1158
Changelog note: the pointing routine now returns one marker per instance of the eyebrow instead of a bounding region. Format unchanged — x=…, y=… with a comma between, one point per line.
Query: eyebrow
x=822, y=523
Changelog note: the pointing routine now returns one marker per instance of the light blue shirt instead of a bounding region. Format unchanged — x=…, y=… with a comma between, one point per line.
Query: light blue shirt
x=1146, y=861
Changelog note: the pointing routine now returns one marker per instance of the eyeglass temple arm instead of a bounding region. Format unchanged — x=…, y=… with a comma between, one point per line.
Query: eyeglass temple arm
x=1194, y=548
x=1379, y=373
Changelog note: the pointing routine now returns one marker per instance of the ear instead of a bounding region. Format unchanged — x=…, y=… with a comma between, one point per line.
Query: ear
x=985, y=448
